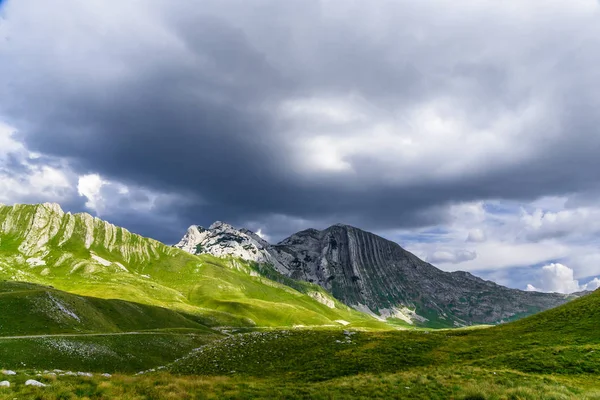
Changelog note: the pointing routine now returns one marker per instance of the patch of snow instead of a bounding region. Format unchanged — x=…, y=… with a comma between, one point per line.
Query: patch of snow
x=342, y=322
x=5, y=384
x=8, y=372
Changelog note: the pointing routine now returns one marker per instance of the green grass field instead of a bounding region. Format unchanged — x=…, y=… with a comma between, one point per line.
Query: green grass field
x=552, y=355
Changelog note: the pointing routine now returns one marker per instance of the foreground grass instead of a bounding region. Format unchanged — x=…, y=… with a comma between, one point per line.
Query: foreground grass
x=430, y=383
x=554, y=355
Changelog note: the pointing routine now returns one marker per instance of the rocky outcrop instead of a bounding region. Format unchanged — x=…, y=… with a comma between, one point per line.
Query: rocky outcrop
x=376, y=276
x=223, y=240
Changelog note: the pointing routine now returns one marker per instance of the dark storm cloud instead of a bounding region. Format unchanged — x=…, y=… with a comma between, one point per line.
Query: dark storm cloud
x=188, y=100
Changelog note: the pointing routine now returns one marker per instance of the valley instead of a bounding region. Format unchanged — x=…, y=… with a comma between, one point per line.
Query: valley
x=93, y=311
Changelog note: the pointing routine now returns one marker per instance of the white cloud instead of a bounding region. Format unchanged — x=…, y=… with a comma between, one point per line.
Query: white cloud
x=593, y=284
x=262, y=235
x=559, y=278
x=586, y=263
x=451, y=256
x=395, y=142
x=35, y=184
x=541, y=224
x=509, y=236
x=90, y=187
x=104, y=196
x=476, y=235
x=7, y=143
x=32, y=180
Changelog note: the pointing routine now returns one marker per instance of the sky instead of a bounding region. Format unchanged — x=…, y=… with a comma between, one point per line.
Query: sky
x=468, y=132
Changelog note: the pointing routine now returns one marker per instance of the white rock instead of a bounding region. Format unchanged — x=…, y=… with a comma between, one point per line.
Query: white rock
x=9, y=372
x=100, y=260
x=5, y=384
x=35, y=383
x=106, y=375
x=222, y=240
x=321, y=298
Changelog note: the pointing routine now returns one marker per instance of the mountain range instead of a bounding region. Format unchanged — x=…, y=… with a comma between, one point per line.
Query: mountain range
x=374, y=275
x=223, y=276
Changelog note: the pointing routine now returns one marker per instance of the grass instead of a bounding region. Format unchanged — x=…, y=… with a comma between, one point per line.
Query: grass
x=109, y=353
x=29, y=309
x=444, y=383
x=559, y=341
x=552, y=355
x=133, y=336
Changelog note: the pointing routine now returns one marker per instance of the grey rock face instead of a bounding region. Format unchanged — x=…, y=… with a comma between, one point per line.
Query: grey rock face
x=378, y=276
x=223, y=240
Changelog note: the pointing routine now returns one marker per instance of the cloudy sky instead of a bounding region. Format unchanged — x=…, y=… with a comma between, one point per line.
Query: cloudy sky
x=467, y=131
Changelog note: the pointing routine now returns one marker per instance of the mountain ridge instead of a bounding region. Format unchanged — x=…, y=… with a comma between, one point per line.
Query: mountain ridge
x=377, y=276
x=85, y=255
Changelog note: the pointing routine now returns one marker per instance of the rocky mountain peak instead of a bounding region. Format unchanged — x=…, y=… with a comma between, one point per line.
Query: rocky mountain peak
x=223, y=240
x=221, y=226
x=55, y=207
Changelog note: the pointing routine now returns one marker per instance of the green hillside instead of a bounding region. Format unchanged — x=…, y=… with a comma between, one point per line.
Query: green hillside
x=29, y=309
x=84, y=255
x=47, y=328
x=559, y=349
x=561, y=335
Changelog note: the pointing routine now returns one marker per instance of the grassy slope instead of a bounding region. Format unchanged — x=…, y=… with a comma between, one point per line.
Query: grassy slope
x=40, y=244
x=553, y=355
x=563, y=340
x=29, y=309
x=160, y=335
x=126, y=353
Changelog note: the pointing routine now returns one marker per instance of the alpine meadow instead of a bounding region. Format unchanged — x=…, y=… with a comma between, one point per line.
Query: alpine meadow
x=300, y=199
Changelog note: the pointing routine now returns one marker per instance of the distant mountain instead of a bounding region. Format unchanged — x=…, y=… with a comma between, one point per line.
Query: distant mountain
x=84, y=255
x=375, y=275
